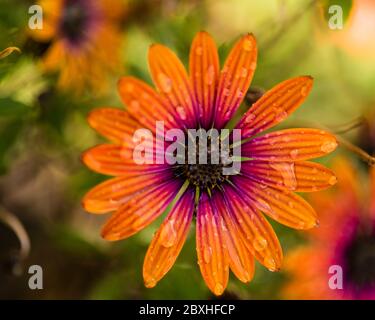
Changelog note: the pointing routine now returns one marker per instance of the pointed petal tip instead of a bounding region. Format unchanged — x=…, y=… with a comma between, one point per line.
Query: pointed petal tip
x=149, y=282
x=219, y=289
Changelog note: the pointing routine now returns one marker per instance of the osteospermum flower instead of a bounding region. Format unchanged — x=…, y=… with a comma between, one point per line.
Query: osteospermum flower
x=85, y=41
x=228, y=209
x=345, y=239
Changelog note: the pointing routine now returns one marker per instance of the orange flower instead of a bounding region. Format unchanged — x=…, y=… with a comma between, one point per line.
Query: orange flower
x=345, y=239
x=230, y=227
x=85, y=41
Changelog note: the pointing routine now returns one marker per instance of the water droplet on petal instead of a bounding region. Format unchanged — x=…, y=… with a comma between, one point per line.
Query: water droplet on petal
x=270, y=262
x=181, y=112
x=249, y=117
x=328, y=146
x=165, y=83
x=239, y=93
x=253, y=66
x=150, y=282
x=294, y=153
x=286, y=170
x=247, y=45
x=207, y=254
x=280, y=114
x=210, y=75
x=199, y=51
x=168, y=235
x=332, y=181
x=226, y=92
x=259, y=243
x=244, y=72
x=218, y=289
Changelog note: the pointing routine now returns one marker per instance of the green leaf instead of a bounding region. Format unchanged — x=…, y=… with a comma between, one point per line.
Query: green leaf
x=10, y=107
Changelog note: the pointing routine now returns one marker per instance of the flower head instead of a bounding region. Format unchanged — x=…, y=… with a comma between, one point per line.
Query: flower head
x=229, y=209
x=345, y=240
x=85, y=41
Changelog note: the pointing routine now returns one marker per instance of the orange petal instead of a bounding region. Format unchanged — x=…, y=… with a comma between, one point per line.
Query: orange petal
x=290, y=145
x=139, y=211
x=235, y=78
x=171, y=79
x=275, y=105
x=257, y=233
x=241, y=261
x=111, y=194
x=115, y=124
x=168, y=241
x=144, y=104
x=285, y=207
x=212, y=259
x=116, y=160
x=204, y=75
x=299, y=176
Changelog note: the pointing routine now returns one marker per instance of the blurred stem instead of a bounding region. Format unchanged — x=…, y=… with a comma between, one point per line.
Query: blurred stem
x=357, y=150
x=356, y=123
x=16, y=226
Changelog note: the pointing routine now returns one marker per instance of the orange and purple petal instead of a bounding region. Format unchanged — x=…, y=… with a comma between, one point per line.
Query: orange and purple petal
x=140, y=210
x=111, y=194
x=204, y=75
x=301, y=176
x=290, y=145
x=168, y=240
x=275, y=105
x=172, y=81
x=235, y=79
x=285, y=207
x=212, y=259
x=254, y=229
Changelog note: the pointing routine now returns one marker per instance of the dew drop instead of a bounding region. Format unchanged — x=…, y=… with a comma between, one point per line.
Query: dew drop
x=294, y=153
x=247, y=45
x=287, y=172
x=199, y=51
x=328, y=146
x=165, y=83
x=250, y=117
x=270, y=262
x=253, y=66
x=181, y=112
x=259, y=243
x=280, y=114
x=207, y=254
x=150, y=282
x=218, y=289
x=210, y=75
x=239, y=93
x=226, y=92
x=244, y=72
x=168, y=235
x=332, y=181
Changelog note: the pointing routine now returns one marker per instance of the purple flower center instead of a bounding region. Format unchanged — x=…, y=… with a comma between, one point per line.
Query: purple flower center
x=77, y=19
x=207, y=175
x=360, y=261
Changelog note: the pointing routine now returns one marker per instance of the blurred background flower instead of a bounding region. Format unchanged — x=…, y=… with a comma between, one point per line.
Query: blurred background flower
x=345, y=239
x=43, y=131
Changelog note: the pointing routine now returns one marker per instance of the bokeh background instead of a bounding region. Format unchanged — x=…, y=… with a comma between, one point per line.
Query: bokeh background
x=43, y=131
